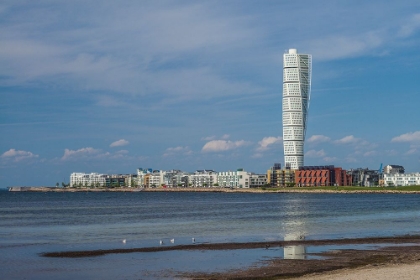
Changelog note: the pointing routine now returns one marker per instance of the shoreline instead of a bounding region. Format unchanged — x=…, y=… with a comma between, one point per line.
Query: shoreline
x=332, y=264
x=216, y=189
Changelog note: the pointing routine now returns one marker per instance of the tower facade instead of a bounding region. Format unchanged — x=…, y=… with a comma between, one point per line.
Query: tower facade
x=297, y=71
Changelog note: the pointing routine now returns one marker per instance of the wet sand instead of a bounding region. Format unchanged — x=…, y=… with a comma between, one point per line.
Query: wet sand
x=337, y=264
x=395, y=262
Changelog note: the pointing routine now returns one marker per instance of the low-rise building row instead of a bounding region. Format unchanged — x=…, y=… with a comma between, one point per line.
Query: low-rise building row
x=399, y=180
x=305, y=176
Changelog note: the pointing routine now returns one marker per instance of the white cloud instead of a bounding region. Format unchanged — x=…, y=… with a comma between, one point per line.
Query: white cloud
x=318, y=139
x=208, y=138
x=80, y=153
x=370, y=153
x=222, y=145
x=411, y=137
x=90, y=153
x=109, y=101
x=119, y=143
x=391, y=152
x=100, y=57
x=329, y=159
x=412, y=151
x=117, y=155
x=351, y=140
x=177, y=151
x=351, y=159
x=314, y=153
x=339, y=46
x=264, y=144
x=17, y=155
x=410, y=27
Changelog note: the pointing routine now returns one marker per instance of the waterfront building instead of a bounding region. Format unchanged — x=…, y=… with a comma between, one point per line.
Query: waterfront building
x=78, y=179
x=365, y=177
x=175, y=178
x=297, y=71
x=399, y=179
x=272, y=174
x=131, y=180
x=277, y=177
x=116, y=180
x=233, y=179
x=392, y=169
x=141, y=176
x=203, y=178
x=315, y=176
x=257, y=180
x=154, y=179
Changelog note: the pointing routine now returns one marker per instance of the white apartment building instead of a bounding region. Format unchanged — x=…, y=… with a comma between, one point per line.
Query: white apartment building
x=141, y=174
x=87, y=180
x=175, y=178
x=399, y=180
x=203, y=178
x=154, y=179
x=233, y=179
x=393, y=169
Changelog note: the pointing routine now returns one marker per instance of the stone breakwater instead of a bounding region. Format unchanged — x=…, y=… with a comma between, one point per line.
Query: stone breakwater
x=224, y=190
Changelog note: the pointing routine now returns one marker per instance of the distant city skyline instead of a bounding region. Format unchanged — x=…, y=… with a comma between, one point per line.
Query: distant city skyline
x=112, y=86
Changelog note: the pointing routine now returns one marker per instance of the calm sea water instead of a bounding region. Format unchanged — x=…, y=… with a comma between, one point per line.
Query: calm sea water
x=32, y=223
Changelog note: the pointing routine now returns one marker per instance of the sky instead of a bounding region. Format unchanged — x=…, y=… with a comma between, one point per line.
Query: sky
x=111, y=86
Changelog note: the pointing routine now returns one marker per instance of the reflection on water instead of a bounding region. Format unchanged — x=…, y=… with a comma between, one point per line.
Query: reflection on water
x=295, y=228
x=295, y=252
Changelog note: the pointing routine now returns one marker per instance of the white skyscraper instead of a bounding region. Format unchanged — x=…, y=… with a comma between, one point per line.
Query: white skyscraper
x=297, y=70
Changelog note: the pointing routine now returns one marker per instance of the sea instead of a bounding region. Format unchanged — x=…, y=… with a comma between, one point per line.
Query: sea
x=33, y=223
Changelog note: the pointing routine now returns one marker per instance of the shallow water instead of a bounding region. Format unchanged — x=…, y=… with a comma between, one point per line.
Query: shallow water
x=32, y=223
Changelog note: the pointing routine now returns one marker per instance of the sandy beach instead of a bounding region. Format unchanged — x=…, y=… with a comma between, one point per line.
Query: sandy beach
x=384, y=272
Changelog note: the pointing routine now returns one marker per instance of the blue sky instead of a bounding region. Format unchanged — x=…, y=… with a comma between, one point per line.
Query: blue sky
x=110, y=86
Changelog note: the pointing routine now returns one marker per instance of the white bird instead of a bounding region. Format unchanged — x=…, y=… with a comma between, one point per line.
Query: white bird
x=161, y=242
x=124, y=241
x=172, y=240
x=193, y=240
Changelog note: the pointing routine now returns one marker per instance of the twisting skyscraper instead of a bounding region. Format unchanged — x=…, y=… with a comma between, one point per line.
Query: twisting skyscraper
x=297, y=69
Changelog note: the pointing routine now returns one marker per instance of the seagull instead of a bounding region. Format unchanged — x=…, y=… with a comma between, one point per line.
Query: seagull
x=193, y=240
x=172, y=240
x=161, y=242
x=124, y=241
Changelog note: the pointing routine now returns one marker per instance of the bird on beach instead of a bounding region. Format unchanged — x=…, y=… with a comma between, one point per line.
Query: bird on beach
x=161, y=242
x=267, y=246
x=193, y=240
x=172, y=240
x=124, y=241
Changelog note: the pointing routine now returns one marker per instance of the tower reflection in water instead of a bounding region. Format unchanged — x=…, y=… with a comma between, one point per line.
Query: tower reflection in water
x=295, y=252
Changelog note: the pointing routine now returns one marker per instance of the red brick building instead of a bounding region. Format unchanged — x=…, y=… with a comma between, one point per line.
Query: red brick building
x=315, y=176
